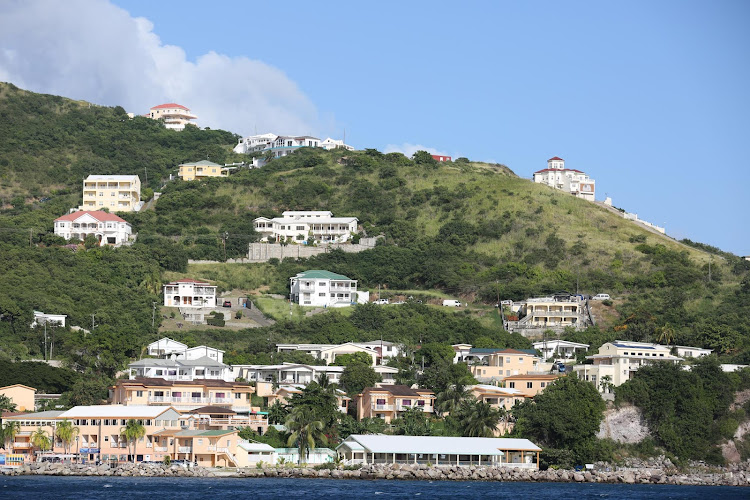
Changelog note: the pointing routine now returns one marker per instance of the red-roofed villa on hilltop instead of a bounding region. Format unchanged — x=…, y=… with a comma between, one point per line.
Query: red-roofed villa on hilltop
x=188, y=292
x=108, y=228
x=175, y=116
x=570, y=180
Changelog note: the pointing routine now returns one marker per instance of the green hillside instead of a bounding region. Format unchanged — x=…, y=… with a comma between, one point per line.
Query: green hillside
x=465, y=229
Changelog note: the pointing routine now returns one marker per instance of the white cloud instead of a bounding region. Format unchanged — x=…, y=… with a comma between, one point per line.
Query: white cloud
x=93, y=50
x=409, y=149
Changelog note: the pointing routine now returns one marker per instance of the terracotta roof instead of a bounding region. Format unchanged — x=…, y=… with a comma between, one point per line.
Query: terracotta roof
x=555, y=158
x=160, y=382
x=99, y=215
x=558, y=170
x=170, y=105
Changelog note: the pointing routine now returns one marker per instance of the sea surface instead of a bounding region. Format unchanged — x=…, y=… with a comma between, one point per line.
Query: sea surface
x=83, y=488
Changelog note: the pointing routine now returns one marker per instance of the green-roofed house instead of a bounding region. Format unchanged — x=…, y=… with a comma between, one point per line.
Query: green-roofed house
x=319, y=288
x=201, y=170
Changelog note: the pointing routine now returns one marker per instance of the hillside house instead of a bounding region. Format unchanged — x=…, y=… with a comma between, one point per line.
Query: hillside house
x=531, y=384
x=175, y=116
x=182, y=394
x=116, y=193
x=329, y=144
x=559, y=349
x=319, y=288
x=569, y=180
x=21, y=395
x=301, y=226
x=41, y=319
x=504, y=363
x=201, y=170
x=557, y=312
x=107, y=228
x=189, y=293
x=441, y=158
x=389, y=401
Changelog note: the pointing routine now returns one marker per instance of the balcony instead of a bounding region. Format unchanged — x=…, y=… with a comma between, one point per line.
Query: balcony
x=226, y=401
x=21, y=444
x=185, y=449
x=383, y=407
x=160, y=449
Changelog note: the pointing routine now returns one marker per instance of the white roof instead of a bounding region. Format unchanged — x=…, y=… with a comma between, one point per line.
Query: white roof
x=494, y=388
x=254, y=447
x=553, y=343
x=115, y=411
x=439, y=444
x=112, y=177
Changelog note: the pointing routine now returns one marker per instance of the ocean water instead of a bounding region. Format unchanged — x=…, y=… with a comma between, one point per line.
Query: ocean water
x=84, y=488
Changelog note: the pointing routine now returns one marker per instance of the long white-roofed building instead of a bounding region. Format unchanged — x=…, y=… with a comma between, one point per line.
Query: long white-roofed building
x=303, y=225
x=439, y=450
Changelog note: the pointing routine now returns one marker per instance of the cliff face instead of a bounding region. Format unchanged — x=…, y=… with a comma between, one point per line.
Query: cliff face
x=624, y=425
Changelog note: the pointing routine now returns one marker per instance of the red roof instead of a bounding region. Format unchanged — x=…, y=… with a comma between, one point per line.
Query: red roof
x=170, y=105
x=99, y=215
x=555, y=158
x=558, y=170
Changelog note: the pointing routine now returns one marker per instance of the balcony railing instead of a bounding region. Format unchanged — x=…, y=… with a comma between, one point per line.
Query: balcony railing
x=21, y=444
x=383, y=407
x=160, y=449
x=185, y=449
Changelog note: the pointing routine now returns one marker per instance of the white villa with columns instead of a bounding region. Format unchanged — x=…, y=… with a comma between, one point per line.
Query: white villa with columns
x=569, y=180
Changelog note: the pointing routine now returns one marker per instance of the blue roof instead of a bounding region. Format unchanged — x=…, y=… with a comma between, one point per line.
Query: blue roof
x=632, y=346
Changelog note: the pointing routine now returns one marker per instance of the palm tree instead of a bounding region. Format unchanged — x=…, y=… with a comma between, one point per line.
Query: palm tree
x=67, y=433
x=666, y=334
x=481, y=420
x=325, y=384
x=9, y=431
x=452, y=398
x=7, y=404
x=307, y=431
x=132, y=432
x=277, y=413
x=41, y=440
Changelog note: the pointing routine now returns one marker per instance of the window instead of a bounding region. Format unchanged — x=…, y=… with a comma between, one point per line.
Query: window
x=322, y=294
x=529, y=385
x=511, y=385
x=507, y=360
x=544, y=384
x=520, y=360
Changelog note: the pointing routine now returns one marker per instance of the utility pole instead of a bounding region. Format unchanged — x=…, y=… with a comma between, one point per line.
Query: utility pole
x=146, y=173
x=153, y=313
x=224, y=244
x=45, y=340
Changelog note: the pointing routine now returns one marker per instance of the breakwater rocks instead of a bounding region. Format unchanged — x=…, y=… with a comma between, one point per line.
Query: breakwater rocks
x=735, y=475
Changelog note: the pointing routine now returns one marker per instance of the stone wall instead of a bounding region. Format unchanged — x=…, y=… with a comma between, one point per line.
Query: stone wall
x=263, y=252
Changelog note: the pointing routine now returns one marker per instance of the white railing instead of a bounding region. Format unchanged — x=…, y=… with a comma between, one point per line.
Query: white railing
x=383, y=407
x=162, y=449
x=222, y=400
x=185, y=449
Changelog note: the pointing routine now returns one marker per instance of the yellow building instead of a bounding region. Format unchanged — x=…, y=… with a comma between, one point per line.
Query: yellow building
x=21, y=395
x=184, y=395
x=505, y=363
x=530, y=384
x=201, y=170
x=388, y=401
x=117, y=193
x=498, y=397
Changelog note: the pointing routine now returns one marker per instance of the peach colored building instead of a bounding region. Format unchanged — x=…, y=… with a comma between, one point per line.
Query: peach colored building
x=498, y=397
x=530, y=384
x=21, y=395
x=184, y=395
x=285, y=392
x=388, y=401
x=505, y=363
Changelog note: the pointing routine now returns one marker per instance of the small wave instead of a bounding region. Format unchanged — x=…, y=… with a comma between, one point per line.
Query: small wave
x=107, y=486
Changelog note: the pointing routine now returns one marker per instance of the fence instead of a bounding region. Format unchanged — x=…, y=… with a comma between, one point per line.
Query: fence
x=263, y=252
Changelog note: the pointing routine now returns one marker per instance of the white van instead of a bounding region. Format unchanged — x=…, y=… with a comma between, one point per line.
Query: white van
x=452, y=303
x=600, y=296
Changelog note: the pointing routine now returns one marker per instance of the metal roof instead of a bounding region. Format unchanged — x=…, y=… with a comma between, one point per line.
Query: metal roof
x=438, y=444
x=254, y=447
x=115, y=411
x=320, y=274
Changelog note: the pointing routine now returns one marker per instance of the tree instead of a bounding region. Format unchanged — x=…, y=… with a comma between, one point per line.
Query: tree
x=351, y=358
x=132, y=432
x=412, y=422
x=566, y=415
x=307, y=431
x=6, y=404
x=480, y=419
x=67, y=433
x=357, y=376
x=277, y=413
x=424, y=158
x=41, y=440
x=9, y=431
x=452, y=398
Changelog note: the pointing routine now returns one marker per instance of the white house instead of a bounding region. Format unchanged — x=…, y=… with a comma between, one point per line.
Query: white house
x=108, y=228
x=300, y=225
x=189, y=293
x=691, y=352
x=329, y=144
x=181, y=369
x=255, y=143
x=378, y=349
x=175, y=116
x=293, y=373
x=41, y=318
x=569, y=180
x=164, y=347
x=559, y=348
x=171, y=349
x=318, y=288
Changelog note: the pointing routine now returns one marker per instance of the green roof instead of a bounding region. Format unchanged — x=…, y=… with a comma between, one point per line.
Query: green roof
x=202, y=163
x=318, y=274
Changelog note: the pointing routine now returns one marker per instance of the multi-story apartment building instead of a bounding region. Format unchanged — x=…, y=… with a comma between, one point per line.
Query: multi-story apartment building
x=293, y=373
x=108, y=228
x=300, y=226
x=189, y=293
x=504, y=363
x=318, y=288
x=617, y=361
x=181, y=369
x=554, y=313
x=389, y=401
x=255, y=143
x=175, y=116
x=182, y=394
x=530, y=384
x=559, y=349
x=498, y=397
x=116, y=193
x=569, y=180
x=201, y=170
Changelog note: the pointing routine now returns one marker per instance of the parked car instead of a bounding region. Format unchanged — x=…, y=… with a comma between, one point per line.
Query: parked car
x=381, y=301
x=452, y=303
x=601, y=296
x=227, y=303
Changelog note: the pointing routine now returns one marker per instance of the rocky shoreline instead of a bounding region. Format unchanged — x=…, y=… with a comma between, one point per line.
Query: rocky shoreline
x=735, y=475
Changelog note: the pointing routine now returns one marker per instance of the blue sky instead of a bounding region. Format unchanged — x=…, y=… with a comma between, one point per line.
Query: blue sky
x=649, y=98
